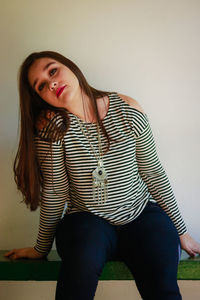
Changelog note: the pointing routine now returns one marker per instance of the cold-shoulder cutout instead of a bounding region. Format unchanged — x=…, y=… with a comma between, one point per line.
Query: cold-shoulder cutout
x=44, y=119
x=48, y=125
x=132, y=102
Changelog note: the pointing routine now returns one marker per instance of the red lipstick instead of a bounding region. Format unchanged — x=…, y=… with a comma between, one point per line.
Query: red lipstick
x=60, y=90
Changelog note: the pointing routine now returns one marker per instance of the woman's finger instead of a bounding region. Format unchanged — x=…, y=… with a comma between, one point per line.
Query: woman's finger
x=192, y=252
x=197, y=250
x=10, y=252
x=14, y=254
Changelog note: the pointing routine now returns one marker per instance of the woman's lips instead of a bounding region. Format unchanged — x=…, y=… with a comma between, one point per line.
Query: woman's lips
x=60, y=90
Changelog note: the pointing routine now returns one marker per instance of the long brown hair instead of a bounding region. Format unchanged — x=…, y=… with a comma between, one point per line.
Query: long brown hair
x=26, y=167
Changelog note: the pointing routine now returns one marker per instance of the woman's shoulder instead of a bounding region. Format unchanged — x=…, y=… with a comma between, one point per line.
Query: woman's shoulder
x=132, y=102
x=135, y=114
x=44, y=118
x=48, y=125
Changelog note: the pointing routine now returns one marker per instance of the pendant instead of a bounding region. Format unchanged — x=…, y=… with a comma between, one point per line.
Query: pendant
x=99, y=177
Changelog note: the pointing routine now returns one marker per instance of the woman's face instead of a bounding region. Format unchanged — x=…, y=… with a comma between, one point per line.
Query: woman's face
x=53, y=82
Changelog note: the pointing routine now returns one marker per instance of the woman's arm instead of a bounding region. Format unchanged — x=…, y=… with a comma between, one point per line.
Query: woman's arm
x=53, y=196
x=189, y=244
x=155, y=177
x=24, y=253
x=149, y=166
x=54, y=191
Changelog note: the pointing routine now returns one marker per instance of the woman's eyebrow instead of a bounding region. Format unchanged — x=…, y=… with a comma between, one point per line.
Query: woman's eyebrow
x=45, y=67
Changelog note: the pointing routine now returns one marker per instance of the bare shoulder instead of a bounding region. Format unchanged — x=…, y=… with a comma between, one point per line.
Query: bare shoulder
x=44, y=118
x=132, y=102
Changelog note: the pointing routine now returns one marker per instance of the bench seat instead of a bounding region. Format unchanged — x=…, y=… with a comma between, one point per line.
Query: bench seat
x=47, y=269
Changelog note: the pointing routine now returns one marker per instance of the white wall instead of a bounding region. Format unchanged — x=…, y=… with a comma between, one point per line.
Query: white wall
x=146, y=49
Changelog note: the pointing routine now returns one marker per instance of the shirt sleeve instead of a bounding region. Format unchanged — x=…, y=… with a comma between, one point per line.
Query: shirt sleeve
x=54, y=192
x=152, y=171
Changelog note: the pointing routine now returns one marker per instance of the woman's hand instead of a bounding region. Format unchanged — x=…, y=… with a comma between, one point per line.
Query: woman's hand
x=24, y=253
x=189, y=244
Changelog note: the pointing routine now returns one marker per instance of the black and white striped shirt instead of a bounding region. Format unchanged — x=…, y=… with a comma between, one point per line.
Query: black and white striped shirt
x=135, y=174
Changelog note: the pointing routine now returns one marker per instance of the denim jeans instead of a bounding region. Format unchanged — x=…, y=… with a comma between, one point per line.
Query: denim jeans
x=148, y=245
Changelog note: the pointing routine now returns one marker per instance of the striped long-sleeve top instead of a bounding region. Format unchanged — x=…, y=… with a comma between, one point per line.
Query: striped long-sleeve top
x=134, y=172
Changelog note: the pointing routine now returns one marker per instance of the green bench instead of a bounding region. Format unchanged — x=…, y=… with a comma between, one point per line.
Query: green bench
x=47, y=269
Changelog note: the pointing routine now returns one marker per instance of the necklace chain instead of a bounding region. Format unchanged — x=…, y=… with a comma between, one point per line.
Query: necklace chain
x=99, y=175
x=98, y=157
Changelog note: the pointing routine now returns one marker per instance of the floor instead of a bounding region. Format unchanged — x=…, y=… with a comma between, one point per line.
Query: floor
x=111, y=290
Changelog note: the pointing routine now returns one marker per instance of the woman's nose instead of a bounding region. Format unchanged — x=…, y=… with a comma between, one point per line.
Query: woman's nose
x=52, y=85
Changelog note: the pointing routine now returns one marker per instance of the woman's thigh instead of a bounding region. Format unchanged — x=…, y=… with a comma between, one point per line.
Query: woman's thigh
x=150, y=247
x=84, y=236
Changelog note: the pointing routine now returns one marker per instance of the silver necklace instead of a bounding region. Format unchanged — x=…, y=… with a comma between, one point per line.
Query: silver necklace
x=99, y=174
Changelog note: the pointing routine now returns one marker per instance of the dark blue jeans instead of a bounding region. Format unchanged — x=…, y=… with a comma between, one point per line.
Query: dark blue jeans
x=149, y=245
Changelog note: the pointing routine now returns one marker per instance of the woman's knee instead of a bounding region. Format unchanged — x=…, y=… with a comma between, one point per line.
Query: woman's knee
x=158, y=282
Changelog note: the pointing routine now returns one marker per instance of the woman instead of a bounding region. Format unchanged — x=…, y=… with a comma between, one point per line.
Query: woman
x=92, y=152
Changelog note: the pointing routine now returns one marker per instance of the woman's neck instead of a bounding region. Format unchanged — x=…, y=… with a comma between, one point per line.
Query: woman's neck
x=83, y=109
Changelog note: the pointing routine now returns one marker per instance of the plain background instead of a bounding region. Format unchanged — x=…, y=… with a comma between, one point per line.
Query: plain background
x=147, y=49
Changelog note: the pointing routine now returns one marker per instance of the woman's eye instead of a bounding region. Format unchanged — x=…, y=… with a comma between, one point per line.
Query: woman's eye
x=52, y=72
x=41, y=87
